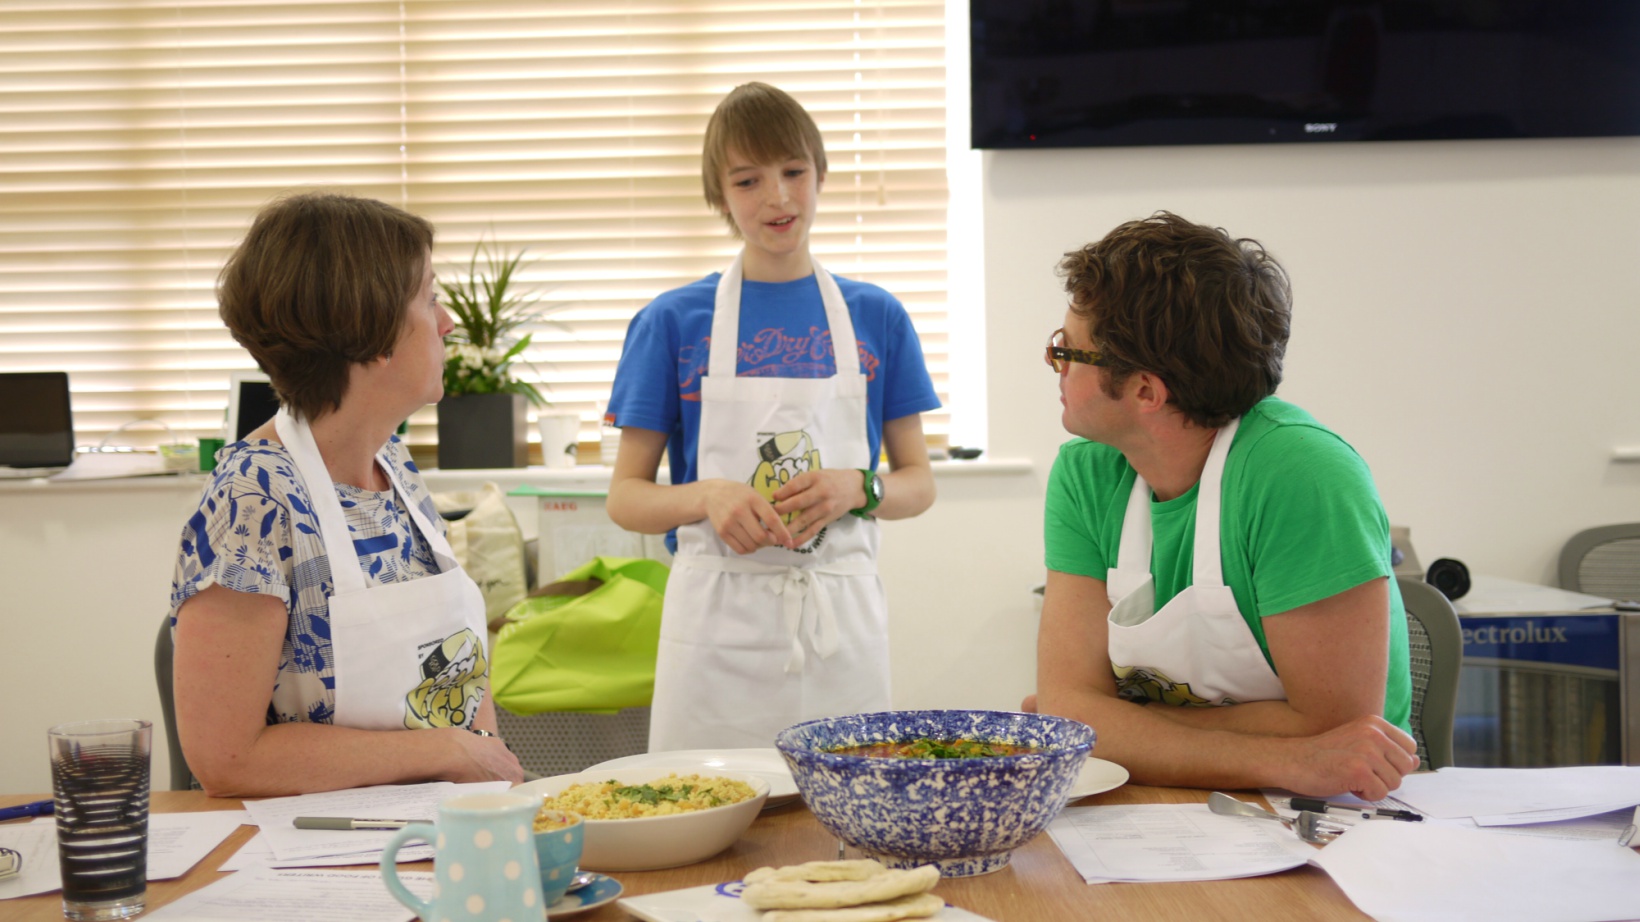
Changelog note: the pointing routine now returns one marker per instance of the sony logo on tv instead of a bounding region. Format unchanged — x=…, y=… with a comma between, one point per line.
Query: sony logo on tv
x=1527, y=633
x=1320, y=127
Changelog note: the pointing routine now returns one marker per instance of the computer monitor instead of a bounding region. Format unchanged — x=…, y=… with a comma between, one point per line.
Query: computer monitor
x=251, y=402
x=36, y=421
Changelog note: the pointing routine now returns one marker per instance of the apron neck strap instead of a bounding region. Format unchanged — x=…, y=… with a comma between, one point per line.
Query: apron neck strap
x=1208, y=566
x=1133, y=552
x=720, y=363
x=334, y=533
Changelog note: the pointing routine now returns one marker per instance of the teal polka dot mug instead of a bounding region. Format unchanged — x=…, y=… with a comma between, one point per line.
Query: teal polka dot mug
x=484, y=864
x=558, y=839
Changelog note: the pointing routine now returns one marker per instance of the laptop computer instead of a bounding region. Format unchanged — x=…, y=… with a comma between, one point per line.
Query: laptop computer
x=251, y=402
x=36, y=424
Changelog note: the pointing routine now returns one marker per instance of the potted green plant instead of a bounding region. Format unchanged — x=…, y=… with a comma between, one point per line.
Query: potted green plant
x=483, y=418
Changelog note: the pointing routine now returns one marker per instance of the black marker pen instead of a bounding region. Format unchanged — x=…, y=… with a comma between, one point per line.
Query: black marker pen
x=1368, y=812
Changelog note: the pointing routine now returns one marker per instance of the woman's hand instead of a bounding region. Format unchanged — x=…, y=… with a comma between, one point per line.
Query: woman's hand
x=481, y=758
x=743, y=518
x=815, y=499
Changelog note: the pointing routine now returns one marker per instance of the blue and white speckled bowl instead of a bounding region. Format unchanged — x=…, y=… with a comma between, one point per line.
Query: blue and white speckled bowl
x=965, y=815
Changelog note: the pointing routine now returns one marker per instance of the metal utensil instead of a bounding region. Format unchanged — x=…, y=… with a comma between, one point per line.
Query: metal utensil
x=1313, y=827
x=1225, y=805
x=581, y=879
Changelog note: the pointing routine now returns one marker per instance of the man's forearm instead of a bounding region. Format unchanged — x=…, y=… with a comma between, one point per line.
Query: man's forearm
x=1263, y=718
x=1156, y=749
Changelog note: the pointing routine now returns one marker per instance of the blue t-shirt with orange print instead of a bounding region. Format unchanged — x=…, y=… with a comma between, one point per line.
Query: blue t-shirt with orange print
x=783, y=334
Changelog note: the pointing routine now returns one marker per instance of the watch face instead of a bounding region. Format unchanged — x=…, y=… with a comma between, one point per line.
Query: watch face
x=876, y=489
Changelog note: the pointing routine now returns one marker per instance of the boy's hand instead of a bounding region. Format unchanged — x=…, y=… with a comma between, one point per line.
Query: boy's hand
x=743, y=518
x=819, y=498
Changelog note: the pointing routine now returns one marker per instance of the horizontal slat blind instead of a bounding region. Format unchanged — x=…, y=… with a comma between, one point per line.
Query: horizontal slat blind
x=142, y=136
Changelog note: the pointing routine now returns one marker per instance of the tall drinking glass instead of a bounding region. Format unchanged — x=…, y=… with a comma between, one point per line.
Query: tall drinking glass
x=99, y=774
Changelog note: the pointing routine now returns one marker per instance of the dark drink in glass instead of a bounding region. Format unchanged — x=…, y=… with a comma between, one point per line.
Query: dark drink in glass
x=99, y=774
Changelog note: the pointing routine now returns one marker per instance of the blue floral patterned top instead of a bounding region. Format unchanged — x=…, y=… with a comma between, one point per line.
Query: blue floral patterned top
x=255, y=531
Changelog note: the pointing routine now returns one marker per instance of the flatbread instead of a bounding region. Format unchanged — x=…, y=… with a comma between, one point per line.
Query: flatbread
x=803, y=894
x=916, y=906
x=853, y=869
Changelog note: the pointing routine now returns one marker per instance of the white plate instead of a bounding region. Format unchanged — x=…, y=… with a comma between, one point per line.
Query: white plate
x=762, y=763
x=1098, y=776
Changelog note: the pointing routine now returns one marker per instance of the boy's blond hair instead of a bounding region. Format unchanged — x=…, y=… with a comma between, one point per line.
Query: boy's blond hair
x=763, y=124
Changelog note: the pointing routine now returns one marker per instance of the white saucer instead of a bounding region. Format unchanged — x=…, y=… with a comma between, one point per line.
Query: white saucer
x=1098, y=776
x=602, y=890
x=764, y=763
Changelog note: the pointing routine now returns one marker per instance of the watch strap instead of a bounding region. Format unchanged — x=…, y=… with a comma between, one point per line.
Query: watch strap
x=874, y=494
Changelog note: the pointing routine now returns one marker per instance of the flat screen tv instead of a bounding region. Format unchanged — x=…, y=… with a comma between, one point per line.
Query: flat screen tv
x=1098, y=73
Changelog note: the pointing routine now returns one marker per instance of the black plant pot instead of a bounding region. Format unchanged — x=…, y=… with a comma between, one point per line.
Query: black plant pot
x=483, y=430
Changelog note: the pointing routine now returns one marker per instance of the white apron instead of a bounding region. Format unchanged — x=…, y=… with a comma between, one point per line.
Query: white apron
x=408, y=655
x=751, y=644
x=1197, y=649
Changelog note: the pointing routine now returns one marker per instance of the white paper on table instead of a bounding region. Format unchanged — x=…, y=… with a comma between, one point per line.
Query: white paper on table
x=1422, y=872
x=37, y=842
x=721, y=903
x=176, y=842
x=1169, y=842
x=1602, y=828
x=267, y=895
x=386, y=801
x=257, y=854
x=1454, y=792
x=1549, y=816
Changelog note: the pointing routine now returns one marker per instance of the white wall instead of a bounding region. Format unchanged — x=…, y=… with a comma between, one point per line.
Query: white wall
x=1465, y=314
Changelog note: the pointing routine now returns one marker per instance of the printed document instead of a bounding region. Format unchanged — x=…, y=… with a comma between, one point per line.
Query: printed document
x=1455, y=792
x=1401, y=872
x=383, y=802
x=1161, y=842
x=268, y=895
x=176, y=842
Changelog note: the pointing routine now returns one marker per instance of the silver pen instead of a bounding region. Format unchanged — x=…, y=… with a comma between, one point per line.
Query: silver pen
x=348, y=822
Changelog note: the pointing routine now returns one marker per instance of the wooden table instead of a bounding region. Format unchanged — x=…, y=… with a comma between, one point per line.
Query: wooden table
x=1039, y=886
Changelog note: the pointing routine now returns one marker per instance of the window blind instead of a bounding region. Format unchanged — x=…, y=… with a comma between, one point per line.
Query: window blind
x=141, y=137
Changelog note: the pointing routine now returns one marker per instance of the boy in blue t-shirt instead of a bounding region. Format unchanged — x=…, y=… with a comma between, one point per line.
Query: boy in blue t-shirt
x=774, y=612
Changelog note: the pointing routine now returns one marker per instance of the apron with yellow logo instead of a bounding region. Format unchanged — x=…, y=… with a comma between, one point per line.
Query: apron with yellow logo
x=407, y=655
x=751, y=644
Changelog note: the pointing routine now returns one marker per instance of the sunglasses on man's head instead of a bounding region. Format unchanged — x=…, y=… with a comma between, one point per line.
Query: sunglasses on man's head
x=1059, y=356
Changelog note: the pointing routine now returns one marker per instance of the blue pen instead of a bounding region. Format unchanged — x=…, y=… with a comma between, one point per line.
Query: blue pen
x=38, y=808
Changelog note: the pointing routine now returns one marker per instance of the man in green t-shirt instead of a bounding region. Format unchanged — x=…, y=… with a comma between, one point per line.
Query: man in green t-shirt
x=1207, y=543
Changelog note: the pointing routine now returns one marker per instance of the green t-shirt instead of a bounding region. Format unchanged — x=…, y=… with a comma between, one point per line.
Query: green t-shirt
x=1301, y=522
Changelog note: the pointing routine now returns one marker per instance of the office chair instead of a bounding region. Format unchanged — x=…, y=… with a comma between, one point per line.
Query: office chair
x=182, y=778
x=1603, y=561
x=1435, y=642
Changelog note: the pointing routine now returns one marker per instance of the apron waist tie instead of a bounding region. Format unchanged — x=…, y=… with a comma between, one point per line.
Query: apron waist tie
x=794, y=585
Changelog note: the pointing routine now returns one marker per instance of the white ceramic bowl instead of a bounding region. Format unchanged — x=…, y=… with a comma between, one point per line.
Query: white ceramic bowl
x=652, y=842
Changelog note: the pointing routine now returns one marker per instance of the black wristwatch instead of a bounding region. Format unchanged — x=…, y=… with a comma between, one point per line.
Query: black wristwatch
x=874, y=494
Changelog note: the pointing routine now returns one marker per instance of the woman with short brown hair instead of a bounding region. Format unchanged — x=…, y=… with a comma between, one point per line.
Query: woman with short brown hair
x=325, y=637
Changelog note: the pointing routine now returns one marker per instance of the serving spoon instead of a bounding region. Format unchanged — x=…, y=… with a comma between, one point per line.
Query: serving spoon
x=1225, y=805
x=1311, y=827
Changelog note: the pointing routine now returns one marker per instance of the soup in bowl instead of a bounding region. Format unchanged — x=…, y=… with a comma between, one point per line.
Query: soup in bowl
x=958, y=789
